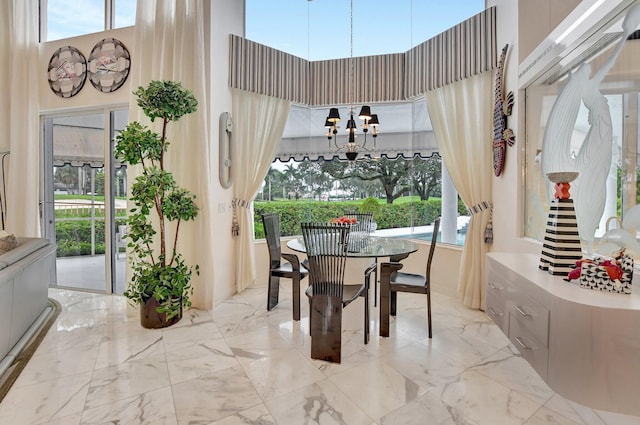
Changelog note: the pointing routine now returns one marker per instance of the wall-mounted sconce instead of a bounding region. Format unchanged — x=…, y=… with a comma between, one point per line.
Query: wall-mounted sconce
x=225, y=130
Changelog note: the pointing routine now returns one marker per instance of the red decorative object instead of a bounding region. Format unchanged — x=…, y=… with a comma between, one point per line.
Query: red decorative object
x=344, y=220
x=562, y=190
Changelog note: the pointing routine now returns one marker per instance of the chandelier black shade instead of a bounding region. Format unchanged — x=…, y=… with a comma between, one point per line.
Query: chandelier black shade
x=369, y=120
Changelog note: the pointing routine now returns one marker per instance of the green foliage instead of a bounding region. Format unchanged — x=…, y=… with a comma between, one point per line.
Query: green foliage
x=169, y=285
x=292, y=213
x=371, y=205
x=74, y=237
x=166, y=99
x=159, y=271
x=136, y=142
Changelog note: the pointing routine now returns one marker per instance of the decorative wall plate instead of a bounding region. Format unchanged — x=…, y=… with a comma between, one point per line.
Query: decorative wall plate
x=108, y=65
x=502, y=135
x=67, y=71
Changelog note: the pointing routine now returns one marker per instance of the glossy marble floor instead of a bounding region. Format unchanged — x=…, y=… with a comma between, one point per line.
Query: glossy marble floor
x=238, y=364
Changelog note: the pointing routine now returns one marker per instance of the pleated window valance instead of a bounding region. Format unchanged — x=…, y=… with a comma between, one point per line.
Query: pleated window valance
x=462, y=51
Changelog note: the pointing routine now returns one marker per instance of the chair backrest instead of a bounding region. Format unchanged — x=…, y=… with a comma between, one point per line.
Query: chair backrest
x=326, y=246
x=364, y=221
x=432, y=248
x=271, y=223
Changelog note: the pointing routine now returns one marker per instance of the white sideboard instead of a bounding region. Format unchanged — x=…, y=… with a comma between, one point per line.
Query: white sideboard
x=584, y=343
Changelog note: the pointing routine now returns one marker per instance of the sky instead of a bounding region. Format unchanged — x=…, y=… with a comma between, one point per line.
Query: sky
x=69, y=18
x=320, y=29
x=314, y=30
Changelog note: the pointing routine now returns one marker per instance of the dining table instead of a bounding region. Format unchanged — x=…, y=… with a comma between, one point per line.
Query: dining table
x=372, y=246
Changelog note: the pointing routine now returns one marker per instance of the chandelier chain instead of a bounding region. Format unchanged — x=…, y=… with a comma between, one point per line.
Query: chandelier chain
x=351, y=66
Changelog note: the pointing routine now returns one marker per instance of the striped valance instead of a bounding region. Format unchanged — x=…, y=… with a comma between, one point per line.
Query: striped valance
x=465, y=50
x=261, y=69
x=375, y=79
x=461, y=52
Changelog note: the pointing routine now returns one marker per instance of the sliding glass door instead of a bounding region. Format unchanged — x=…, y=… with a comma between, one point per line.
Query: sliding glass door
x=85, y=200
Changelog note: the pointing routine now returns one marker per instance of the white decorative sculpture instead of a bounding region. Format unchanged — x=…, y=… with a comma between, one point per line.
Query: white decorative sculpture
x=593, y=159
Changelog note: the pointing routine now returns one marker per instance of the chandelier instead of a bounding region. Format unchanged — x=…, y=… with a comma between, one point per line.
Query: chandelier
x=351, y=148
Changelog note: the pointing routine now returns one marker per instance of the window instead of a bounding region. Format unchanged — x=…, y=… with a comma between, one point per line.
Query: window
x=589, y=136
x=63, y=19
x=323, y=32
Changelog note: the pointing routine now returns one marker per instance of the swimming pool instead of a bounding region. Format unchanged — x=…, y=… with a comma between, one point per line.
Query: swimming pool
x=460, y=238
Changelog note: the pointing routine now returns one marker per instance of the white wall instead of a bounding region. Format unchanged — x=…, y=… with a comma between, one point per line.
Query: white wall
x=508, y=189
x=88, y=97
x=227, y=17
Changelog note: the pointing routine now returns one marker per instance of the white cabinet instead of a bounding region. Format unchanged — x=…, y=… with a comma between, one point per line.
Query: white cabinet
x=585, y=344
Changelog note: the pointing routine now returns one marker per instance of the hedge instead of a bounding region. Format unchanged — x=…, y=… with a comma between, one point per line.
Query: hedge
x=292, y=213
x=74, y=237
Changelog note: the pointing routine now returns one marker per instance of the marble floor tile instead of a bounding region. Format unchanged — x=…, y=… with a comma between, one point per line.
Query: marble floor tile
x=238, y=364
x=198, y=331
x=424, y=365
x=418, y=410
x=510, y=369
x=376, y=387
x=129, y=346
x=191, y=359
x=283, y=373
x=151, y=408
x=46, y=402
x=258, y=415
x=67, y=420
x=318, y=403
x=115, y=383
x=480, y=400
x=545, y=416
x=56, y=364
x=258, y=344
x=209, y=398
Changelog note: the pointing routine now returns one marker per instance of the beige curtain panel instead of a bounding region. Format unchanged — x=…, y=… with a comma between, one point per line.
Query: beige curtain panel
x=256, y=137
x=178, y=27
x=19, y=120
x=461, y=114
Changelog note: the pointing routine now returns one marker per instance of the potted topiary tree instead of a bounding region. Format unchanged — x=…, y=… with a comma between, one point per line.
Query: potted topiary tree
x=160, y=282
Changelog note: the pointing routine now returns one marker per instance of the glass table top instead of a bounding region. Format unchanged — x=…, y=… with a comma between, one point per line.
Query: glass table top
x=368, y=246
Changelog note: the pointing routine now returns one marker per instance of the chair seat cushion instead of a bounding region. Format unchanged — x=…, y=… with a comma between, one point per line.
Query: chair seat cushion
x=408, y=282
x=286, y=269
x=349, y=294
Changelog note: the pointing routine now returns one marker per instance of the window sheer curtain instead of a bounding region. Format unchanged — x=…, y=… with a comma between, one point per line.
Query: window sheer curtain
x=461, y=115
x=170, y=45
x=20, y=74
x=258, y=123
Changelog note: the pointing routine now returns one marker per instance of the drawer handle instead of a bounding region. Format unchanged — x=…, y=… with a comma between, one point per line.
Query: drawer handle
x=494, y=287
x=495, y=313
x=522, y=312
x=522, y=344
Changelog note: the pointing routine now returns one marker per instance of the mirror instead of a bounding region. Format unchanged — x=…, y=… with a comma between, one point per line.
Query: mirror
x=590, y=133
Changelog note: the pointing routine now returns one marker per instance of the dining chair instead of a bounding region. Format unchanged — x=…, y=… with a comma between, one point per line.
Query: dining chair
x=326, y=246
x=291, y=269
x=393, y=281
x=363, y=221
x=363, y=225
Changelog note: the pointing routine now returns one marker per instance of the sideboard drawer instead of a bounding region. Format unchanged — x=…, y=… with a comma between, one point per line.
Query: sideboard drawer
x=495, y=309
x=531, y=315
x=532, y=350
